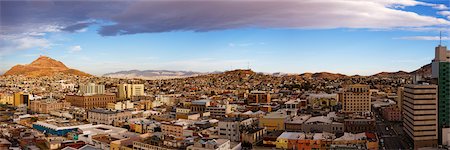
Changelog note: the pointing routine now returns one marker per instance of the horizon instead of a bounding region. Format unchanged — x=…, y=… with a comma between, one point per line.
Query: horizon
x=270, y=36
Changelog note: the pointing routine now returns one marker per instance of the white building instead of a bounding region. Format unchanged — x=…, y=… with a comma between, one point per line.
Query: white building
x=91, y=89
x=229, y=128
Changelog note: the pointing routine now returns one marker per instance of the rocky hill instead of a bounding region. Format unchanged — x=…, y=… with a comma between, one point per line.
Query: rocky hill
x=152, y=74
x=43, y=66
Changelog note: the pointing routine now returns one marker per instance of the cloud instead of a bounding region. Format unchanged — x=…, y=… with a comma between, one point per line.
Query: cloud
x=427, y=38
x=219, y=15
x=78, y=27
x=74, y=49
x=244, y=44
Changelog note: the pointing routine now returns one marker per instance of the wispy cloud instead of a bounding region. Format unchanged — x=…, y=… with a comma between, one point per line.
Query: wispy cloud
x=428, y=38
x=75, y=48
x=244, y=44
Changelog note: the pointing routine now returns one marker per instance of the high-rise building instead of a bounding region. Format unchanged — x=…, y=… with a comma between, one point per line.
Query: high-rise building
x=420, y=114
x=441, y=74
x=356, y=98
x=91, y=89
x=126, y=91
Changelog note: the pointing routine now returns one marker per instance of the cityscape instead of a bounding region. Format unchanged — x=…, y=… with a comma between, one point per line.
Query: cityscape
x=225, y=75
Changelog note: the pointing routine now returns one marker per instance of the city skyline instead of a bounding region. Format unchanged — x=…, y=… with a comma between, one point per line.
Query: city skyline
x=108, y=37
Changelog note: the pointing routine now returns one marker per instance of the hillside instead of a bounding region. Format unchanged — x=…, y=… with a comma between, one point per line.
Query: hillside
x=43, y=66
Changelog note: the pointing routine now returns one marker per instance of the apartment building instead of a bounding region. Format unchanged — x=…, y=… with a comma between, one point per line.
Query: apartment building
x=108, y=117
x=230, y=128
x=90, y=101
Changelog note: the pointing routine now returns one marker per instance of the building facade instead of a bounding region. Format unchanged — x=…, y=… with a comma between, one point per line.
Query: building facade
x=230, y=128
x=441, y=72
x=45, y=106
x=356, y=98
x=127, y=91
x=91, y=89
x=108, y=117
x=420, y=114
x=90, y=101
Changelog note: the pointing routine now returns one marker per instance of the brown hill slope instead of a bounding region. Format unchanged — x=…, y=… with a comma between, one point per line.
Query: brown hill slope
x=43, y=66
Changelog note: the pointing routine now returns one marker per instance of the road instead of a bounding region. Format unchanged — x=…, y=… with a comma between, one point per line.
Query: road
x=391, y=134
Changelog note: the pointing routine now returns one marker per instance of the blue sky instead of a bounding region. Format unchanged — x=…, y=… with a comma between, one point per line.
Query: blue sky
x=384, y=36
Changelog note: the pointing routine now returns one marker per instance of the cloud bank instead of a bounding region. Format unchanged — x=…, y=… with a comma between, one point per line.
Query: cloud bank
x=22, y=18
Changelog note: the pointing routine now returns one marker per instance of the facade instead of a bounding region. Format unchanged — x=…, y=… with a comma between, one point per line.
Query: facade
x=218, y=144
x=273, y=121
x=127, y=91
x=230, y=128
x=92, y=89
x=21, y=98
x=356, y=98
x=48, y=105
x=420, y=114
x=359, y=124
x=200, y=105
x=108, y=117
x=7, y=99
x=219, y=111
x=392, y=113
x=120, y=105
x=90, y=101
x=441, y=72
x=253, y=135
x=173, y=129
x=259, y=97
x=322, y=124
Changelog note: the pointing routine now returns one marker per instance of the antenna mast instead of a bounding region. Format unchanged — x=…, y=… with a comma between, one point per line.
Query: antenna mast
x=440, y=38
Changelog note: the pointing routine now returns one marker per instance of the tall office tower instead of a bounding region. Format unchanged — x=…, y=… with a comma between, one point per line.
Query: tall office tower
x=420, y=113
x=355, y=98
x=126, y=91
x=441, y=74
x=92, y=89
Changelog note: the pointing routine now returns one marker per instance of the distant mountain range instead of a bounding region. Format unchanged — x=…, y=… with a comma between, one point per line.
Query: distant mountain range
x=46, y=66
x=43, y=66
x=153, y=74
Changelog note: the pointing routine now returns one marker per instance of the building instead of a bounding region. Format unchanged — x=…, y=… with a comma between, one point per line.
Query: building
x=274, y=121
x=120, y=105
x=173, y=129
x=356, y=98
x=258, y=97
x=108, y=117
x=399, y=98
x=214, y=144
x=392, y=113
x=7, y=99
x=127, y=91
x=230, y=128
x=253, y=136
x=359, y=124
x=58, y=127
x=420, y=114
x=288, y=140
x=219, y=111
x=200, y=105
x=47, y=105
x=441, y=72
x=90, y=101
x=21, y=98
x=91, y=89
x=322, y=124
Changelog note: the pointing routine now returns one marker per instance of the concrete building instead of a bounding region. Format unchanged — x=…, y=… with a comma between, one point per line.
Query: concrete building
x=108, y=117
x=420, y=114
x=441, y=73
x=91, y=89
x=47, y=105
x=219, y=111
x=214, y=144
x=58, y=127
x=200, y=105
x=120, y=105
x=392, y=113
x=356, y=98
x=90, y=101
x=258, y=97
x=230, y=128
x=7, y=99
x=274, y=121
x=21, y=98
x=127, y=91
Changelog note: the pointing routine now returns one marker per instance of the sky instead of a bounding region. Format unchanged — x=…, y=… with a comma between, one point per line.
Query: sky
x=340, y=36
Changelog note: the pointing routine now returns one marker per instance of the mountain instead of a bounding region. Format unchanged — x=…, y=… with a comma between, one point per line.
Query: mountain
x=323, y=75
x=422, y=71
x=43, y=66
x=152, y=74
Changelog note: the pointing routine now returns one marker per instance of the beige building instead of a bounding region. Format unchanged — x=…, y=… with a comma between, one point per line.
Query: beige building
x=174, y=129
x=420, y=114
x=356, y=98
x=108, y=117
x=91, y=89
x=120, y=105
x=45, y=106
x=91, y=101
x=230, y=128
x=127, y=91
x=7, y=99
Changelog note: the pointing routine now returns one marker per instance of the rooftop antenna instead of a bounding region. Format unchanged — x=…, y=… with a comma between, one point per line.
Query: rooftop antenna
x=248, y=65
x=440, y=38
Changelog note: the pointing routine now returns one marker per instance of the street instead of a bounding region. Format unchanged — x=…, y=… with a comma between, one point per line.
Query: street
x=391, y=133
